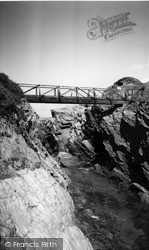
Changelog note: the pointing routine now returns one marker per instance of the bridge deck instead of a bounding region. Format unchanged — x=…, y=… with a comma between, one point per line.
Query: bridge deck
x=68, y=94
x=72, y=100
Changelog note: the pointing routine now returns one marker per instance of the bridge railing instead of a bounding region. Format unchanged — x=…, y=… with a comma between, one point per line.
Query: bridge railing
x=71, y=91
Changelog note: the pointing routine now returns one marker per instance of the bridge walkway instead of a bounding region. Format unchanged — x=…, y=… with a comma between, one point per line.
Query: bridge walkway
x=73, y=95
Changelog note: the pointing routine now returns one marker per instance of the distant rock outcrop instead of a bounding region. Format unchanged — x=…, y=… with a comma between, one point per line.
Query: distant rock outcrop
x=68, y=124
x=34, y=201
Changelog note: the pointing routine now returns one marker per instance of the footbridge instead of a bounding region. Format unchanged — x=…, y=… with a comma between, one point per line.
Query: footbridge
x=72, y=95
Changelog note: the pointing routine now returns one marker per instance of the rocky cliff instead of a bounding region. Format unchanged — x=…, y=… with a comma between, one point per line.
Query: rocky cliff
x=120, y=135
x=34, y=202
x=68, y=123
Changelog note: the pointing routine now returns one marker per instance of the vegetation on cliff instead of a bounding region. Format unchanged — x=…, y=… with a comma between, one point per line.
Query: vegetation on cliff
x=34, y=201
x=10, y=95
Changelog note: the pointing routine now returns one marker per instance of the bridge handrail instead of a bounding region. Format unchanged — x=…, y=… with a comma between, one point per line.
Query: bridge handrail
x=56, y=86
x=109, y=94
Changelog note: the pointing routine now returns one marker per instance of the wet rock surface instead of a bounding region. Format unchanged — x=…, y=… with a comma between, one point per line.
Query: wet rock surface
x=109, y=214
x=67, y=160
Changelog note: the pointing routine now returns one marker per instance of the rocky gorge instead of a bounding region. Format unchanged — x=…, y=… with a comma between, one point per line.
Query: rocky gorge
x=81, y=175
x=118, y=135
x=110, y=141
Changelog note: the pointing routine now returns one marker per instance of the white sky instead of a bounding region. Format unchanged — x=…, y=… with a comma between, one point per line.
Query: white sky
x=46, y=42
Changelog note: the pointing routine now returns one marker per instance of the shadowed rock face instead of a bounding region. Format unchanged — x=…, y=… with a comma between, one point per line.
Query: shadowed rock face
x=34, y=202
x=121, y=137
x=68, y=124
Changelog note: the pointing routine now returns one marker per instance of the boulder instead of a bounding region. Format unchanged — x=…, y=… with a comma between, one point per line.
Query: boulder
x=68, y=160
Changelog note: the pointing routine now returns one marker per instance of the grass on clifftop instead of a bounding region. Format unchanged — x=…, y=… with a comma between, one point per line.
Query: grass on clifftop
x=10, y=95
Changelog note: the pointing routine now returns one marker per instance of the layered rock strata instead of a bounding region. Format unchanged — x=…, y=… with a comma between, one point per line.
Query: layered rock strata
x=121, y=137
x=68, y=123
x=34, y=201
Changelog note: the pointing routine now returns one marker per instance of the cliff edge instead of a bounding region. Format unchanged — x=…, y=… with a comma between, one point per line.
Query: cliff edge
x=34, y=201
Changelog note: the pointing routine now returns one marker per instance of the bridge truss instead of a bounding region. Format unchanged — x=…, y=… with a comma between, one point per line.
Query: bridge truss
x=67, y=94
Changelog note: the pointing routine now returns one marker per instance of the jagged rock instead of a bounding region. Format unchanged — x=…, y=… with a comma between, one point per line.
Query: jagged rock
x=88, y=145
x=98, y=168
x=117, y=173
x=69, y=121
x=63, y=155
x=68, y=160
x=72, y=138
x=39, y=207
x=142, y=192
x=120, y=136
x=34, y=201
